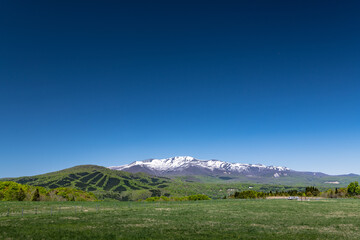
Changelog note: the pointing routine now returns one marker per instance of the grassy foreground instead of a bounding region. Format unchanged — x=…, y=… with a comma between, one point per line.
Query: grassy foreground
x=216, y=219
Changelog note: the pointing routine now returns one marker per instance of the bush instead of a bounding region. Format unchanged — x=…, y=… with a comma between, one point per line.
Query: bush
x=198, y=197
x=312, y=191
x=353, y=189
x=250, y=194
x=11, y=191
x=21, y=195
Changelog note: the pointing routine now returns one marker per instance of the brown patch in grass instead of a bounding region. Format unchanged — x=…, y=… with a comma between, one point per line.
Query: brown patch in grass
x=141, y=225
x=70, y=218
x=163, y=209
x=260, y=225
x=301, y=228
x=337, y=214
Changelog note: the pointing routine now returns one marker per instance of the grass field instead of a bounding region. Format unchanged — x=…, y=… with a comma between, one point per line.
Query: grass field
x=216, y=219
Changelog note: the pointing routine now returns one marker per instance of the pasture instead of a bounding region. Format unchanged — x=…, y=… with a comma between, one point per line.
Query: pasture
x=215, y=219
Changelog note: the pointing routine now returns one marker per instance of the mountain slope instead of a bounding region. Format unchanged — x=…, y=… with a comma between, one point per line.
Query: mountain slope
x=102, y=181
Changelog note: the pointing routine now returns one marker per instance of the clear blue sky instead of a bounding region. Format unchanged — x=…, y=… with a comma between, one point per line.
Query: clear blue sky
x=108, y=83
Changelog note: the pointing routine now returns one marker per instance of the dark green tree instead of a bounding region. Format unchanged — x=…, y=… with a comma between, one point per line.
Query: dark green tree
x=352, y=189
x=36, y=195
x=155, y=193
x=312, y=191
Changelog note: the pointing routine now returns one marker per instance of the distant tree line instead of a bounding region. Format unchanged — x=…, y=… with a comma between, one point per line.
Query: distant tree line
x=353, y=190
x=251, y=194
x=12, y=191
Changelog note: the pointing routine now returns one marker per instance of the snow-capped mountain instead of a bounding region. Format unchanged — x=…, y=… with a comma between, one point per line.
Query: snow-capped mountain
x=185, y=165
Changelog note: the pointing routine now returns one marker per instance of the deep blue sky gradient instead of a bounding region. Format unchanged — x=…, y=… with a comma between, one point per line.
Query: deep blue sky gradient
x=109, y=82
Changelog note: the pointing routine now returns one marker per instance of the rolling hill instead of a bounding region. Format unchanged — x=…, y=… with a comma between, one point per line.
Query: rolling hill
x=103, y=182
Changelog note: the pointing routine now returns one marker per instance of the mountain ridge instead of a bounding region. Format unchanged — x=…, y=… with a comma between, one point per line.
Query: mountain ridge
x=192, y=169
x=185, y=165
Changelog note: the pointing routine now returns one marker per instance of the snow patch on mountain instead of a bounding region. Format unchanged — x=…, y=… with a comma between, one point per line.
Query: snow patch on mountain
x=181, y=163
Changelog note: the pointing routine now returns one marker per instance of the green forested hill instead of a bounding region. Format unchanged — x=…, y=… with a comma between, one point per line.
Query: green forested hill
x=105, y=183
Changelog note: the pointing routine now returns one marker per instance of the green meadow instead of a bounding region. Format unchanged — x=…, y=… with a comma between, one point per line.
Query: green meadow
x=213, y=219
